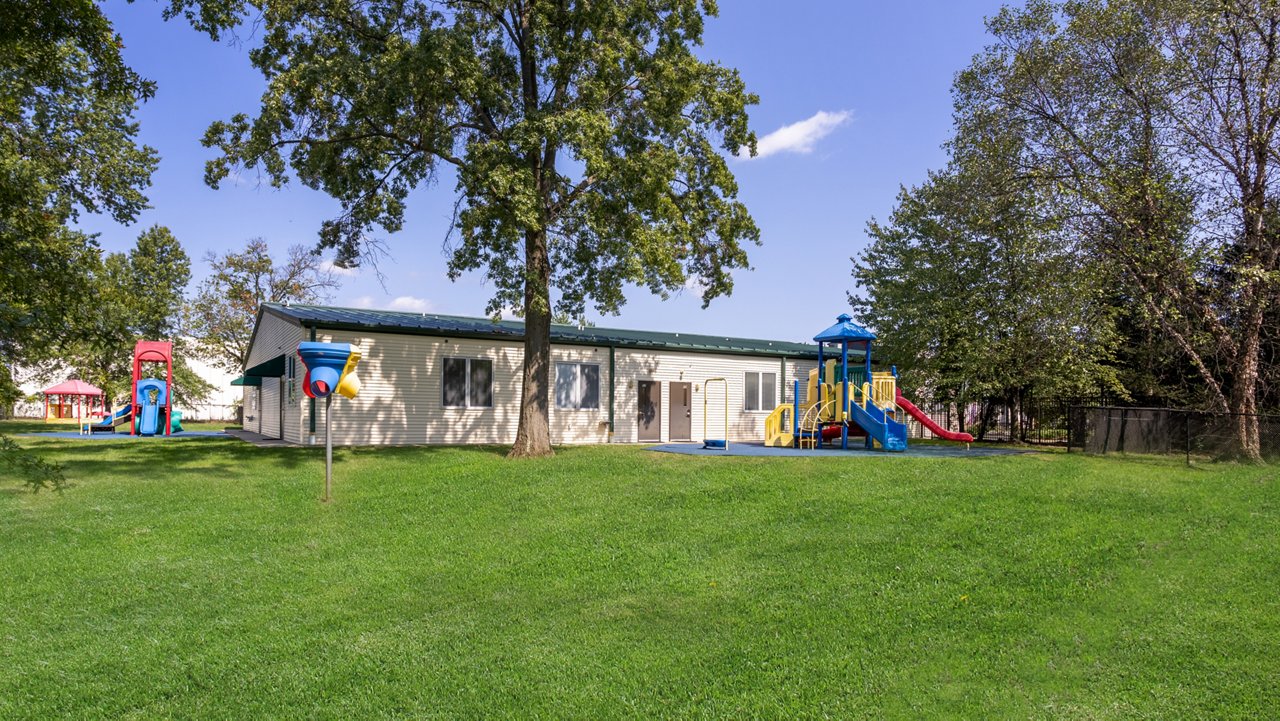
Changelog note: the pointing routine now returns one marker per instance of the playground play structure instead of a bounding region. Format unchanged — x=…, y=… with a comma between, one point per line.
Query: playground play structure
x=72, y=400
x=843, y=400
x=150, y=410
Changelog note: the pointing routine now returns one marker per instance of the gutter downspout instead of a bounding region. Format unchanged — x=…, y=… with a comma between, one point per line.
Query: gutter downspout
x=612, y=383
x=782, y=382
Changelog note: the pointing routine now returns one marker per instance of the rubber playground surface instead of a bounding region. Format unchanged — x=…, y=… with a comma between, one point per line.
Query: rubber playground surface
x=956, y=450
x=73, y=435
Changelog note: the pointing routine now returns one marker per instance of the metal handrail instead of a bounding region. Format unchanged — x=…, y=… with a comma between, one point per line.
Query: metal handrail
x=809, y=422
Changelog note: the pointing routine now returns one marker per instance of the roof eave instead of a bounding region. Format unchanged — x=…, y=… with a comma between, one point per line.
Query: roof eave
x=514, y=337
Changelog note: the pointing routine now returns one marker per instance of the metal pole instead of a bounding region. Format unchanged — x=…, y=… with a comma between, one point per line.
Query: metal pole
x=1186, y=432
x=328, y=447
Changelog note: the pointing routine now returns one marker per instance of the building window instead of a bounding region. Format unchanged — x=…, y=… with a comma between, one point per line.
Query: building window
x=761, y=391
x=577, y=386
x=468, y=383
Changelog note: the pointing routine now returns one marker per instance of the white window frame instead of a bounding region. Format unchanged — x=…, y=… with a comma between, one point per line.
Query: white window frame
x=578, y=386
x=466, y=386
x=766, y=405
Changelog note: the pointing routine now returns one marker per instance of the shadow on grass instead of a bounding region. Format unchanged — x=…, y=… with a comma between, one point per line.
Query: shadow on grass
x=85, y=461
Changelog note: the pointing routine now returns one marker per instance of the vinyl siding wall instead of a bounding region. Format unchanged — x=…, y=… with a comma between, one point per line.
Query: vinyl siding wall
x=277, y=336
x=696, y=368
x=401, y=395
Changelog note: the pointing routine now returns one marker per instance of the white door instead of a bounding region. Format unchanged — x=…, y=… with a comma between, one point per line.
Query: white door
x=269, y=409
x=253, y=418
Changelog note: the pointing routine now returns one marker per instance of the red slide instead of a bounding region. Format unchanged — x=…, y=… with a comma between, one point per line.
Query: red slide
x=927, y=422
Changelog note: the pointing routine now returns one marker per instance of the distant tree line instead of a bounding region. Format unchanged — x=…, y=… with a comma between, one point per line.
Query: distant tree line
x=1107, y=219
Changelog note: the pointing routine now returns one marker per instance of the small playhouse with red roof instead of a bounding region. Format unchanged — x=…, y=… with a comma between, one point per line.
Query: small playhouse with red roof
x=72, y=400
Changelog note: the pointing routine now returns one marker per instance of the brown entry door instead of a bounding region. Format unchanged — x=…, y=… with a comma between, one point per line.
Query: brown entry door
x=649, y=397
x=680, y=409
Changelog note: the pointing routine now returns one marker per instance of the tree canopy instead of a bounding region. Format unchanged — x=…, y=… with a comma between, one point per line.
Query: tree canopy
x=221, y=316
x=135, y=296
x=586, y=142
x=1148, y=131
x=68, y=143
x=973, y=297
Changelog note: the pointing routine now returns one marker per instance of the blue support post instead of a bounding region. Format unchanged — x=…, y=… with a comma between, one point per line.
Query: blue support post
x=817, y=443
x=844, y=380
x=870, y=444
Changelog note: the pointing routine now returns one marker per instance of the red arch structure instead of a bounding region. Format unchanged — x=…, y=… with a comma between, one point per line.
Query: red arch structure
x=153, y=351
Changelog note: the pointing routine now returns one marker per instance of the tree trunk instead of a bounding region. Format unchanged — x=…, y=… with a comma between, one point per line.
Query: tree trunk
x=1244, y=398
x=533, y=438
x=1248, y=441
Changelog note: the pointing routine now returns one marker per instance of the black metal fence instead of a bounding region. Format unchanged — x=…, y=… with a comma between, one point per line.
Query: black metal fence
x=1042, y=421
x=1101, y=424
x=1165, y=431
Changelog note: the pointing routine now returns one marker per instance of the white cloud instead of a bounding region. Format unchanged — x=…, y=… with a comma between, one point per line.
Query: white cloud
x=695, y=285
x=328, y=266
x=802, y=136
x=408, y=302
x=364, y=301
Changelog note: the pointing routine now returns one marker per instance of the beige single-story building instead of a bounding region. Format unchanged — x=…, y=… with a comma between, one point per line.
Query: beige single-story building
x=437, y=379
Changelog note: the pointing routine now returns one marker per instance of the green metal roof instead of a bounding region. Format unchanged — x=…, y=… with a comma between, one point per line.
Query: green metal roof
x=388, y=321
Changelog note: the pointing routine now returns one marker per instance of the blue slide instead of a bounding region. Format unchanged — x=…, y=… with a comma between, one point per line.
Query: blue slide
x=149, y=399
x=891, y=434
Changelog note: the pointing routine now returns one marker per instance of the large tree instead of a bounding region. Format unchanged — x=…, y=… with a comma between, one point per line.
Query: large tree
x=586, y=140
x=68, y=143
x=220, y=317
x=135, y=296
x=975, y=293
x=1155, y=121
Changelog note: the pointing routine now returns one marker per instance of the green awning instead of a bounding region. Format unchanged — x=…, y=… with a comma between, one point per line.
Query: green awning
x=273, y=368
x=247, y=381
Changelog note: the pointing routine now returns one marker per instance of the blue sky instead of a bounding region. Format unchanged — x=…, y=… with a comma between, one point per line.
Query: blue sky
x=859, y=90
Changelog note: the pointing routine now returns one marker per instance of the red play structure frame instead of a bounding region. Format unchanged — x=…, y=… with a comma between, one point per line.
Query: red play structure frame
x=153, y=351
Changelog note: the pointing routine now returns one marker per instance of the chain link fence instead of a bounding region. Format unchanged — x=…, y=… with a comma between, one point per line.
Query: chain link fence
x=1167, y=431
x=1101, y=424
x=1037, y=421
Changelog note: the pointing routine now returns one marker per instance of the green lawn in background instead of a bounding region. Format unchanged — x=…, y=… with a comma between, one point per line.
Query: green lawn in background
x=203, y=578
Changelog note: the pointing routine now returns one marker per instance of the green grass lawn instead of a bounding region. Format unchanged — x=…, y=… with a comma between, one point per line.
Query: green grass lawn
x=202, y=578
